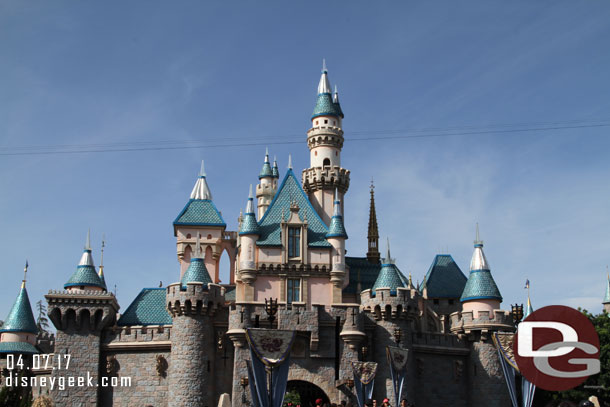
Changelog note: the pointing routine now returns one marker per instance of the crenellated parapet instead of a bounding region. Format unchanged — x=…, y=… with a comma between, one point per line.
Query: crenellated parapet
x=385, y=305
x=121, y=335
x=325, y=136
x=317, y=178
x=197, y=299
x=465, y=322
x=93, y=310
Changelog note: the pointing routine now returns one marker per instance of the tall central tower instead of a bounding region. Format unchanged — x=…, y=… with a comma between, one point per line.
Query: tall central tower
x=325, y=141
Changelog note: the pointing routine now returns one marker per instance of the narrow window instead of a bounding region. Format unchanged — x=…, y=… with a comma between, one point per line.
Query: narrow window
x=316, y=122
x=325, y=121
x=294, y=290
x=294, y=242
x=326, y=162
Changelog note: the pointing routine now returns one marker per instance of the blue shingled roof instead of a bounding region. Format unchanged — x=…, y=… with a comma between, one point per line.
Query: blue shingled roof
x=266, y=171
x=148, y=308
x=18, y=347
x=249, y=226
x=200, y=212
x=196, y=273
x=84, y=275
x=336, y=228
x=444, y=278
x=361, y=271
x=389, y=276
x=274, y=170
x=269, y=225
x=103, y=281
x=480, y=286
x=20, y=318
x=230, y=294
x=325, y=106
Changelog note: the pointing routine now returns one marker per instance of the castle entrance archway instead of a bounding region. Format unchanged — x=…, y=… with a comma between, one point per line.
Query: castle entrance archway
x=308, y=392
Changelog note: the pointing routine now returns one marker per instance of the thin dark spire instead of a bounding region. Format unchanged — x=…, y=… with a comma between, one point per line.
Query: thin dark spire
x=373, y=234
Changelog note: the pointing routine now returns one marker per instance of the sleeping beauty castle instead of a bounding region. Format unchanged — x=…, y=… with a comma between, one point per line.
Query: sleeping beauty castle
x=186, y=344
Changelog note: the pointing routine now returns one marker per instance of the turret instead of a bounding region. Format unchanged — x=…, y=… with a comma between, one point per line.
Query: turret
x=336, y=236
x=18, y=334
x=325, y=141
x=276, y=173
x=265, y=190
x=85, y=278
x=481, y=292
x=248, y=234
x=200, y=218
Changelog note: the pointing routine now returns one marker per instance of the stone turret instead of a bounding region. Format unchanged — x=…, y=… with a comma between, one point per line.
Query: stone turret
x=201, y=219
x=248, y=235
x=79, y=314
x=192, y=303
x=325, y=141
x=479, y=318
x=337, y=236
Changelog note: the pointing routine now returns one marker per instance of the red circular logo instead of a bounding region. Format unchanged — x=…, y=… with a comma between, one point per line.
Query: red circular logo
x=557, y=348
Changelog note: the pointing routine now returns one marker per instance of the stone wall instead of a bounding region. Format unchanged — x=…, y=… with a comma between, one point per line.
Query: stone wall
x=487, y=384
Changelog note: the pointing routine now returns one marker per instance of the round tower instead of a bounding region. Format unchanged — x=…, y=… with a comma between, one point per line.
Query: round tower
x=265, y=190
x=337, y=236
x=192, y=302
x=248, y=235
x=325, y=141
x=480, y=317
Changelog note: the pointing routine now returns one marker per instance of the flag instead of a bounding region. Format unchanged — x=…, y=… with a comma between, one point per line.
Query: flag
x=527, y=284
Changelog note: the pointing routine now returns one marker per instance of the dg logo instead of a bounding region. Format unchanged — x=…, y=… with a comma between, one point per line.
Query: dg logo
x=556, y=348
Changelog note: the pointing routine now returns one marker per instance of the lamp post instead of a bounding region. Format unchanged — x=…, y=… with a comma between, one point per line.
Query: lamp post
x=271, y=309
x=517, y=312
x=244, y=383
x=397, y=336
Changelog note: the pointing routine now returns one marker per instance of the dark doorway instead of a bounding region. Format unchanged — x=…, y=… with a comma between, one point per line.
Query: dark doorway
x=308, y=392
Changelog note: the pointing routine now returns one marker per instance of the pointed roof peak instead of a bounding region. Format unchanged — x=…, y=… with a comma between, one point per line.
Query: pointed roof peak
x=202, y=170
x=388, y=259
x=20, y=317
x=477, y=240
x=266, y=154
x=25, y=271
x=607, y=296
x=289, y=161
x=324, y=84
x=88, y=241
x=201, y=190
x=266, y=171
x=336, y=96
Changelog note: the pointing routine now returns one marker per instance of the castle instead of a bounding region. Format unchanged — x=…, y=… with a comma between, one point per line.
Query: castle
x=185, y=344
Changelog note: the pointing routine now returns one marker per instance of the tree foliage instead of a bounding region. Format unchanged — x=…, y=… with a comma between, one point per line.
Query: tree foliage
x=42, y=322
x=596, y=385
x=16, y=396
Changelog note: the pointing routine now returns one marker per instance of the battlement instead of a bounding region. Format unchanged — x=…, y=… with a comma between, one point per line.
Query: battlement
x=265, y=189
x=45, y=341
x=325, y=136
x=136, y=336
x=196, y=299
x=86, y=309
x=498, y=320
x=317, y=178
x=385, y=305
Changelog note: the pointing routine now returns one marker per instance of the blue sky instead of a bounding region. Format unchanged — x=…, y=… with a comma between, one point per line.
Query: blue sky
x=218, y=73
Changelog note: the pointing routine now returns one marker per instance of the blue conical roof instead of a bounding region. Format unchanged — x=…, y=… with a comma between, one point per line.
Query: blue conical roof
x=196, y=273
x=102, y=279
x=274, y=170
x=480, y=284
x=20, y=318
x=249, y=226
x=389, y=276
x=85, y=274
x=266, y=171
x=336, y=227
x=326, y=107
x=607, y=296
x=528, y=309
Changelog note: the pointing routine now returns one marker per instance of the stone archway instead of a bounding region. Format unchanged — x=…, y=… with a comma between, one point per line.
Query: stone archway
x=308, y=392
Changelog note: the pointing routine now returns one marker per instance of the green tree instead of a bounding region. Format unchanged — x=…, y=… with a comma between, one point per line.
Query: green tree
x=42, y=322
x=596, y=385
x=292, y=397
x=16, y=396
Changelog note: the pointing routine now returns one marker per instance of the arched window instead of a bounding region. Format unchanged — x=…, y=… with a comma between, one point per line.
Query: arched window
x=326, y=162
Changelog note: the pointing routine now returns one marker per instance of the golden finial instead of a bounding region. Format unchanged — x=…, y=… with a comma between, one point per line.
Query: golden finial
x=25, y=271
x=101, y=273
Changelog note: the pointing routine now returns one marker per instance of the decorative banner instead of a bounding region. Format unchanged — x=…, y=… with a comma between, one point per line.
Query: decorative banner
x=364, y=379
x=504, y=342
x=501, y=340
x=397, y=359
x=271, y=346
x=269, y=359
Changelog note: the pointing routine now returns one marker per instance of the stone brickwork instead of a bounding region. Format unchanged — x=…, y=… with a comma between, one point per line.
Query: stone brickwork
x=487, y=384
x=80, y=317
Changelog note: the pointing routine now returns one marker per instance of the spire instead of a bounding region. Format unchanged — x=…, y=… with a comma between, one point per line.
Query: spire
x=266, y=170
x=85, y=274
x=101, y=272
x=201, y=190
x=389, y=276
x=373, y=234
x=607, y=297
x=480, y=284
x=289, y=161
x=25, y=272
x=336, y=102
x=324, y=85
x=275, y=171
x=249, y=226
x=20, y=317
x=336, y=227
